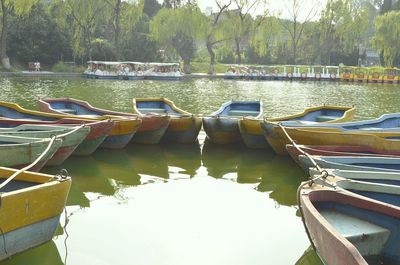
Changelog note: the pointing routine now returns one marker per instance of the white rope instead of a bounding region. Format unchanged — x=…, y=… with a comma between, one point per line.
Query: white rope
x=301, y=151
x=29, y=166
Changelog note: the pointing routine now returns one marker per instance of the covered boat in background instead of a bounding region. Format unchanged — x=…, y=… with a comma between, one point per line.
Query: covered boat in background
x=125, y=125
x=31, y=206
x=183, y=127
x=163, y=71
x=222, y=126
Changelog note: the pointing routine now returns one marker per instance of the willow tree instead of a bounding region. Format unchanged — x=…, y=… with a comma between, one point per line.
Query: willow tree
x=215, y=32
x=299, y=15
x=124, y=15
x=266, y=33
x=178, y=30
x=341, y=25
x=81, y=18
x=18, y=7
x=387, y=36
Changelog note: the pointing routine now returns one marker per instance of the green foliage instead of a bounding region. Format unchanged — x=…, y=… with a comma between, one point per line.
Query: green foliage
x=67, y=67
x=36, y=37
x=266, y=33
x=387, y=37
x=178, y=30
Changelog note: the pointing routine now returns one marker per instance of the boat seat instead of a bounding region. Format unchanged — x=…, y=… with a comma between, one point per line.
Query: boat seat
x=89, y=116
x=243, y=113
x=367, y=237
x=154, y=110
x=69, y=111
x=323, y=118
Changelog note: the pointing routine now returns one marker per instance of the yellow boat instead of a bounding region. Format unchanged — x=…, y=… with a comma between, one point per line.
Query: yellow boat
x=391, y=75
x=347, y=73
x=375, y=75
x=31, y=205
x=360, y=74
x=253, y=135
x=384, y=141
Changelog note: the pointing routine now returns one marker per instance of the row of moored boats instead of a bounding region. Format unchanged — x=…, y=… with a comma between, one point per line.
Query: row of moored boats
x=350, y=206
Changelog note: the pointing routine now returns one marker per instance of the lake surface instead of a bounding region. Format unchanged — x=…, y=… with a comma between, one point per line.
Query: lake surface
x=186, y=204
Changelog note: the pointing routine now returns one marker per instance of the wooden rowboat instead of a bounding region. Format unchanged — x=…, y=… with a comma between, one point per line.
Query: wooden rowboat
x=272, y=129
x=71, y=138
x=253, y=136
x=17, y=152
x=370, y=163
x=124, y=127
x=98, y=130
x=381, y=141
x=183, y=127
x=338, y=150
x=12, y=115
x=346, y=228
x=222, y=126
x=31, y=205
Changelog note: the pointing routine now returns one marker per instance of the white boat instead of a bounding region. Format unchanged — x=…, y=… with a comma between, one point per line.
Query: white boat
x=131, y=71
x=163, y=71
x=102, y=70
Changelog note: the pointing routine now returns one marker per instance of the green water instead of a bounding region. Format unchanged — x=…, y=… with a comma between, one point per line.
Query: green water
x=186, y=204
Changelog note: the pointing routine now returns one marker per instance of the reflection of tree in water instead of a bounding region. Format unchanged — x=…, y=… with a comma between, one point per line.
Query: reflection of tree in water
x=184, y=156
x=221, y=159
x=46, y=254
x=148, y=160
x=282, y=177
x=309, y=257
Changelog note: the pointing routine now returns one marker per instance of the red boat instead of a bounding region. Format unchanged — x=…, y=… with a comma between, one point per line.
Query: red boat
x=337, y=150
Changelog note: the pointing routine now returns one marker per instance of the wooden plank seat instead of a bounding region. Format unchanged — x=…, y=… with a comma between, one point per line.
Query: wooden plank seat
x=243, y=113
x=367, y=237
x=323, y=118
x=69, y=111
x=153, y=110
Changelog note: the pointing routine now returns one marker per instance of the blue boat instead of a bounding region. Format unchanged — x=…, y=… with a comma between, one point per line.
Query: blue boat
x=222, y=126
x=366, y=163
x=385, y=123
x=380, y=186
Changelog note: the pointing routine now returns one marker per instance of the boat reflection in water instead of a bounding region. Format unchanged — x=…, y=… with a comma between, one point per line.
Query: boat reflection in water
x=46, y=254
x=183, y=160
x=309, y=257
x=221, y=160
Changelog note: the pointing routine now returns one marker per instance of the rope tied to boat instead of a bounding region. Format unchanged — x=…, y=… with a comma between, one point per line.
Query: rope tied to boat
x=300, y=150
x=52, y=140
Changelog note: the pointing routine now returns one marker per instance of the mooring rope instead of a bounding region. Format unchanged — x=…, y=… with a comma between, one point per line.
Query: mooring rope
x=52, y=140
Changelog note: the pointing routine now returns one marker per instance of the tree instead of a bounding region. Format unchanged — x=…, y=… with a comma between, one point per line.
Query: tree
x=298, y=19
x=178, y=30
x=130, y=13
x=266, y=34
x=19, y=7
x=387, y=36
x=36, y=36
x=341, y=26
x=83, y=18
x=151, y=7
x=215, y=33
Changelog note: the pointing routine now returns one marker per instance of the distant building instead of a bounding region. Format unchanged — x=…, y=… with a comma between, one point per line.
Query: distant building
x=208, y=11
